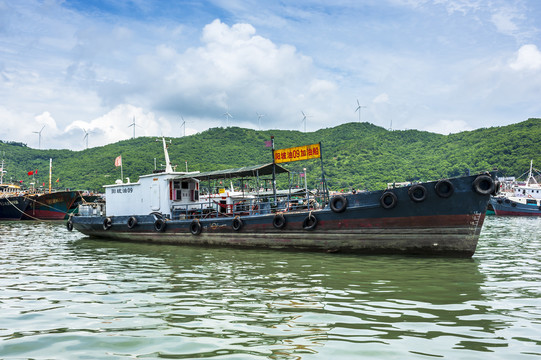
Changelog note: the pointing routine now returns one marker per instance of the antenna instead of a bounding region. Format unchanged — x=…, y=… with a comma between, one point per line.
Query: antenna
x=359, y=108
x=259, y=116
x=39, y=136
x=227, y=117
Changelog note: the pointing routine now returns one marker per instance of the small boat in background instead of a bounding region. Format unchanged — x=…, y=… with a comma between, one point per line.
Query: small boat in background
x=12, y=202
x=519, y=199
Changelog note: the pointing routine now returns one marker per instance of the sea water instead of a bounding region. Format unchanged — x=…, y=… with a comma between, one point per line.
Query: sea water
x=67, y=296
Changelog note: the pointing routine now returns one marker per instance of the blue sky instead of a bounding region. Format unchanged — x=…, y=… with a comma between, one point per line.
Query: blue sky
x=435, y=65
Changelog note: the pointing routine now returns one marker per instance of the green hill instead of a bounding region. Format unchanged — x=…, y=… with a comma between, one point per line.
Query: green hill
x=358, y=155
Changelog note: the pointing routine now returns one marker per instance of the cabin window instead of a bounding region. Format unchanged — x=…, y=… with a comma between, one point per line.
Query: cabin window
x=176, y=184
x=185, y=185
x=531, y=201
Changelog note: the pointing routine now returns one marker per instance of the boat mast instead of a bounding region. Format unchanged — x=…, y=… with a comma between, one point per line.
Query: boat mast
x=168, y=167
x=50, y=172
x=530, y=176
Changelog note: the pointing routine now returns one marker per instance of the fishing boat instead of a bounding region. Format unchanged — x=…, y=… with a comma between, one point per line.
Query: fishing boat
x=12, y=199
x=49, y=205
x=520, y=199
x=442, y=217
x=12, y=202
x=52, y=205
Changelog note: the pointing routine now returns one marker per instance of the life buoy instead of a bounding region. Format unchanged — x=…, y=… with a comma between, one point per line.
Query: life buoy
x=195, y=227
x=159, y=225
x=388, y=200
x=309, y=222
x=69, y=225
x=483, y=185
x=107, y=223
x=339, y=204
x=417, y=193
x=444, y=188
x=132, y=221
x=237, y=224
x=279, y=221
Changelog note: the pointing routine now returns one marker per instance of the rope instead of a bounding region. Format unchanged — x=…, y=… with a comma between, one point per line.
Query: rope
x=22, y=212
x=46, y=205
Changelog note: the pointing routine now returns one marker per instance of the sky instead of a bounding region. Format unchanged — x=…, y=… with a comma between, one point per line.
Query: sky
x=78, y=73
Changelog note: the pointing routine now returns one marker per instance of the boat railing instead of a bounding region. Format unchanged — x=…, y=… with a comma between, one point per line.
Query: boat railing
x=242, y=207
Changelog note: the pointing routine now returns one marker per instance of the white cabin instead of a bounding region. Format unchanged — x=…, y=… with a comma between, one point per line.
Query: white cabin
x=159, y=192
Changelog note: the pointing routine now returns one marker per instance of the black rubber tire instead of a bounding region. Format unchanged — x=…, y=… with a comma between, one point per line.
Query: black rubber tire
x=279, y=221
x=417, y=193
x=444, y=188
x=107, y=223
x=69, y=225
x=132, y=222
x=160, y=225
x=195, y=227
x=483, y=185
x=339, y=204
x=237, y=224
x=388, y=200
x=310, y=222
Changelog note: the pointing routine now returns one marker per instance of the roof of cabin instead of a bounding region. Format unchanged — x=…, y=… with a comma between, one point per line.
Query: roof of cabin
x=246, y=171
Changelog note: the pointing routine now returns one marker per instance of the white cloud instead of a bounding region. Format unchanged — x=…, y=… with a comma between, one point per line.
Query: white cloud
x=528, y=57
x=381, y=98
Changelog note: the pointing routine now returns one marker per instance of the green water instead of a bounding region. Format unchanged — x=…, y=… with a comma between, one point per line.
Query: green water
x=65, y=296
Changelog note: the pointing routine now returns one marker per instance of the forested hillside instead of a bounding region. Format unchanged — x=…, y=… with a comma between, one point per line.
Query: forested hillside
x=355, y=155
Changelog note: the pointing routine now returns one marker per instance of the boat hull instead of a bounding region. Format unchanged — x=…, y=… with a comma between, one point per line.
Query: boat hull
x=13, y=207
x=508, y=207
x=437, y=225
x=50, y=206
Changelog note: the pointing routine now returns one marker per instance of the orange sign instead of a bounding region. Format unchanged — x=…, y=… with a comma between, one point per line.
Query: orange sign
x=297, y=153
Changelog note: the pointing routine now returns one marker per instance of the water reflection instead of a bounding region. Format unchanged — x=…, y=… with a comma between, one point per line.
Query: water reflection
x=117, y=299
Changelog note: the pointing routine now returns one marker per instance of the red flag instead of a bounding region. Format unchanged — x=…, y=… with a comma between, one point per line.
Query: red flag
x=36, y=172
x=57, y=180
x=118, y=160
x=30, y=173
x=268, y=143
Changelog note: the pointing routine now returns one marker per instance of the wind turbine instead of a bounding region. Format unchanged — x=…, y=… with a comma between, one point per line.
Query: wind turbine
x=259, y=116
x=183, y=125
x=359, y=108
x=304, y=116
x=86, y=137
x=39, y=136
x=134, y=125
x=227, y=117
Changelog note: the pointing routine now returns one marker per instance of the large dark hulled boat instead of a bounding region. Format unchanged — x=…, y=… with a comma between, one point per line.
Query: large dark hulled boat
x=442, y=217
x=50, y=206
x=12, y=204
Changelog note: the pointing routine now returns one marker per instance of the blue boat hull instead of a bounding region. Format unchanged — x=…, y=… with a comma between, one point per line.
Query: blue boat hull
x=508, y=207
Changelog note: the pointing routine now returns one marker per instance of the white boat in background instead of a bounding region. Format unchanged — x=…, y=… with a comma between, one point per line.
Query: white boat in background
x=520, y=199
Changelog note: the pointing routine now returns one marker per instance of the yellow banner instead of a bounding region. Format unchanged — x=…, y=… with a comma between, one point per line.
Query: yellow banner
x=297, y=153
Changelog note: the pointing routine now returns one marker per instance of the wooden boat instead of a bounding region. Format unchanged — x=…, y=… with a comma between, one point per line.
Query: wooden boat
x=441, y=217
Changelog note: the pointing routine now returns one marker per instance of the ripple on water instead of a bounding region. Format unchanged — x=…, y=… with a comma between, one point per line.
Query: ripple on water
x=66, y=296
